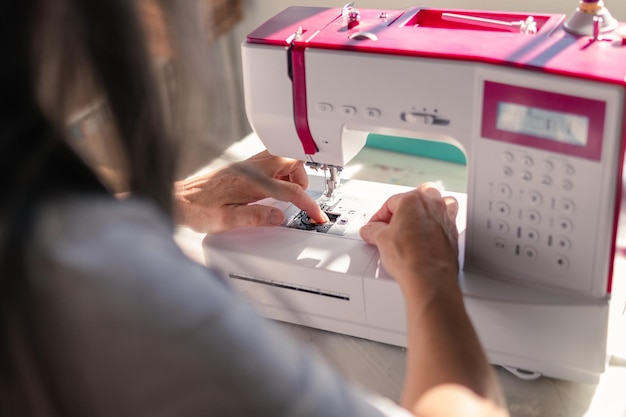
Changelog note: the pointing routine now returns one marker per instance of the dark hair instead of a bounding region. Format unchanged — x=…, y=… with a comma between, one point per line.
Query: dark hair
x=114, y=54
x=96, y=43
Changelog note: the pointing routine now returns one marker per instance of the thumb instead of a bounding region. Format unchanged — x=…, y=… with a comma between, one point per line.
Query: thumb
x=452, y=206
x=370, y=232
x=253, y=215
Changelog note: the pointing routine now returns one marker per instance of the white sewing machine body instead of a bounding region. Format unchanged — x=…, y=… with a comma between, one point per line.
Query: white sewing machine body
x=540, y=118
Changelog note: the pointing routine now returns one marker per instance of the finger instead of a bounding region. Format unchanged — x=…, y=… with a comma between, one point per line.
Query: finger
x=253, y=215
x=286, y=169
x=370, y=232
x=430, y=189
x=261, y=155
x=385, y=212
x=287, y=191
x=299, y=175
x=291, y=170
x=310, y=206
x=414, y=200
x=443, y=208
x=283, y=190
x=452, y=207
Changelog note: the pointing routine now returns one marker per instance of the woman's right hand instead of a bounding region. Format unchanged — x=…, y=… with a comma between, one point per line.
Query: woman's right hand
x=416, y=236
x=447, y=371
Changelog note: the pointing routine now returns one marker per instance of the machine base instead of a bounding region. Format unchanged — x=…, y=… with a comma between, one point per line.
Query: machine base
x=332, y=280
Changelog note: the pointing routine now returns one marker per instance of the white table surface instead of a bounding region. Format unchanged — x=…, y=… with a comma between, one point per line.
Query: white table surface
x=380, y=367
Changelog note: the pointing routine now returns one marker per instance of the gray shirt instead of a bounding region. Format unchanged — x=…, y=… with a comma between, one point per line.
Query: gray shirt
x=132, y=327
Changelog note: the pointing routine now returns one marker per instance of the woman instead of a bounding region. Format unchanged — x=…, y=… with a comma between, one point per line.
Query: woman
x=102, y=314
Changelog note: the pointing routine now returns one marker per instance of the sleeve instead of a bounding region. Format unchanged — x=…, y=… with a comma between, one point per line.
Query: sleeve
x=134, y=328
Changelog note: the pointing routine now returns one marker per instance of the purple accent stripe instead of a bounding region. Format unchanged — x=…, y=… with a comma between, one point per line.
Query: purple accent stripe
x=300, y=109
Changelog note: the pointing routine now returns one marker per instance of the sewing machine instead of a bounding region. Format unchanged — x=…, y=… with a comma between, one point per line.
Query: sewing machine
x=536, y=103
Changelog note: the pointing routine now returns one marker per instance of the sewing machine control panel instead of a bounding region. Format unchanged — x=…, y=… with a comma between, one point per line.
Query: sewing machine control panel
x=542, y=173
x=537, y=216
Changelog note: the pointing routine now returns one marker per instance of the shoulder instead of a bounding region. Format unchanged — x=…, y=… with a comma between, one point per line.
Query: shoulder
x=102, y=249
x=130, y=317
x=97, y=236
x=80, y=218
x=99, y=229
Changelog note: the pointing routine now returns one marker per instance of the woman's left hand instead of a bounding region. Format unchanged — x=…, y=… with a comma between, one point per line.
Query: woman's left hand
x=220, y=200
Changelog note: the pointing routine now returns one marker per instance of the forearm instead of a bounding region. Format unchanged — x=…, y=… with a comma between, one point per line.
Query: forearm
x=443, y=346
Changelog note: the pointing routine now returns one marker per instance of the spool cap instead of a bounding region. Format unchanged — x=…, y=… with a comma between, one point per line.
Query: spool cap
x=588, y=12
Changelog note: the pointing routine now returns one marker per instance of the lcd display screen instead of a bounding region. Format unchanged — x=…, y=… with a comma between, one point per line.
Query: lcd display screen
x=546, y=124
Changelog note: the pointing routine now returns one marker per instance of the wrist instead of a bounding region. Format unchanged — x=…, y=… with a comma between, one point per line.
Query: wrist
x=424, y=282
x=180, y=202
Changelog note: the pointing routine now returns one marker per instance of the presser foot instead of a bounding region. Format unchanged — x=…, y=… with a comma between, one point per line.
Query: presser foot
x=331, y=176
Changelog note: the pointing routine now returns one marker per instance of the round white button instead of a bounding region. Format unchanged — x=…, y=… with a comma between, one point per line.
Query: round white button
x=372, y=113
x=503, y=209
x=325, y=107
x=531, y=234
x=501, y=226
x=567, y=185
x=546, y=180
x=529, y=252
x=507, y=157
x=535, y=198
x=565, y=224
x=562, y=262
x=533, y=216
x=503, y=190
x=566, y=205
x=548, y=166
x=563, y=243
x=348, y=110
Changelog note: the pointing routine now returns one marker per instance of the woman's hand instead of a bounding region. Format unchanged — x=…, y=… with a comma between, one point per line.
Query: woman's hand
x=220, y=200
x=447, y=370
x=416, y=235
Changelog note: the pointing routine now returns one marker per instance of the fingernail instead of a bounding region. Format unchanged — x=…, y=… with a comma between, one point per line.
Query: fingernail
x=325, y=217
x=364, y=232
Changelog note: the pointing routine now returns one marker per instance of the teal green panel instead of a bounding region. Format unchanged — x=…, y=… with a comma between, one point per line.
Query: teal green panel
x=419, y=147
